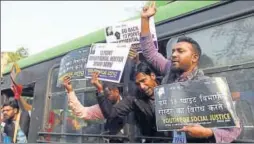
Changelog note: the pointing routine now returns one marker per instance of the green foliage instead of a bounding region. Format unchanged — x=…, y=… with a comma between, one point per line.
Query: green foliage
x=19, y=54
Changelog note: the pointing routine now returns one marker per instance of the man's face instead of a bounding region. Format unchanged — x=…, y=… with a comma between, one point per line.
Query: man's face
x=113, y=94
x=9, y=112
x=146, y=83
x=109, y=30
x=183, y=56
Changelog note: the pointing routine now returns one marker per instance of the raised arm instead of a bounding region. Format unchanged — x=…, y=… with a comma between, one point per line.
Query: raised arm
x=87, y=113
x=26, y=106
x=147, y=45
x=110, y=111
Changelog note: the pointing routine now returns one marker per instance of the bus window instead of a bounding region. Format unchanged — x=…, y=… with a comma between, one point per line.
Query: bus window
x=226, y=44
x=241, y=84
x=60, y=118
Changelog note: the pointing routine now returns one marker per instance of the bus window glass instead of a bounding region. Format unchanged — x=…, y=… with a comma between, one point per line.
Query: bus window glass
x=241, y=84
x=61, y=119
x=226, y=44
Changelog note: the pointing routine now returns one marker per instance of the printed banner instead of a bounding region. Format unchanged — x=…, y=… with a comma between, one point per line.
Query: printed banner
x=129, y=32
x=207, y=102
x=109, y=59
x=73, y=65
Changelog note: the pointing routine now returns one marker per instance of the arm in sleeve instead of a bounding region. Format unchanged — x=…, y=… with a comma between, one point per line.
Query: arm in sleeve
x=121, y=109
x=226, y=135
x=156, y=59
x=87, y=113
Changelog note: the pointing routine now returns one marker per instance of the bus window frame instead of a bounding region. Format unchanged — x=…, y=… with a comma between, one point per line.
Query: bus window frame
x=218, y=68
x=48, y=103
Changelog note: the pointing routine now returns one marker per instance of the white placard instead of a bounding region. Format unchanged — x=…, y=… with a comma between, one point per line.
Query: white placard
x=129, y=32
x=109, y=59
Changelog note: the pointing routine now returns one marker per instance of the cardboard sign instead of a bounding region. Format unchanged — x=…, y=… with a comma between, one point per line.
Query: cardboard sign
x=73, y=65
x=207, y=102
x=129, y=32
x=109, y=59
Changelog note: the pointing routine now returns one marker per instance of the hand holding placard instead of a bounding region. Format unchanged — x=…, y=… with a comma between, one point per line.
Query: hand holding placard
x=95, y=81
x=67, y=84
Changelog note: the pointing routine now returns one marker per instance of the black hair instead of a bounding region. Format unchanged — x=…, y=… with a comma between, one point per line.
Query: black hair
x=109, y=33
x=117, y=35
x=111, y=85
x=194, y=44
x=12, y=103
x=143, y=68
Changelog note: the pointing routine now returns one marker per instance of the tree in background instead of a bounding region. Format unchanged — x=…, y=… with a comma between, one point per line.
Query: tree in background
x=20, y=53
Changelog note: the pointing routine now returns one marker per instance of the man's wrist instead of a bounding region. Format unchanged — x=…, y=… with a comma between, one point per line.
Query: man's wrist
x=100, y=94
x=69, y=91
x=144, y=18
x=208, y=132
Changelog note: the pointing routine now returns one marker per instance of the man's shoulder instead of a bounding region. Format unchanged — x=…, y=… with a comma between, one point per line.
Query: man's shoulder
x=200, y=75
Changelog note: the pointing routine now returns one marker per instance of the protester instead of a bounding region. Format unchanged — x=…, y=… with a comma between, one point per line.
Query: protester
x=183, y=66
x=142, y=104
x=88, y=113
x=16, y=121
x=94, y=112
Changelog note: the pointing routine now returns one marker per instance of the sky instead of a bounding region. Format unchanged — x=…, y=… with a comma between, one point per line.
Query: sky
x=39, y=25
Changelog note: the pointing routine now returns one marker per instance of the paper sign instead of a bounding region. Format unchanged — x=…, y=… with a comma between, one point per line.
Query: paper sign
x=109, y=59
x=129, y=32
x=207, y=102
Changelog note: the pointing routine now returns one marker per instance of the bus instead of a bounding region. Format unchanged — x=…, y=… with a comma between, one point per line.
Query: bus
x=224, y=30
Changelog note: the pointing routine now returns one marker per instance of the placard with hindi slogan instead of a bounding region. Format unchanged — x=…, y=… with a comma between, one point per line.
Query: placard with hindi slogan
x=206, y=102
x=73, y=64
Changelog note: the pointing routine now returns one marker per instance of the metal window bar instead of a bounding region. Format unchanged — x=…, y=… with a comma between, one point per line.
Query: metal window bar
x=115, y=136
x=81, y=135
x=153, y=138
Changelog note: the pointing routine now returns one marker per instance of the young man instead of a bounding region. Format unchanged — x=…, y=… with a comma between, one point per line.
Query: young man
x=142, y=104
x=16, y=121
x=183, y=66
x=94, y=112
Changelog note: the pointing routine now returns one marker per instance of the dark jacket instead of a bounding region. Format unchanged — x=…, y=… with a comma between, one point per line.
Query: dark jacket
x=143, y=109
x=23, y=123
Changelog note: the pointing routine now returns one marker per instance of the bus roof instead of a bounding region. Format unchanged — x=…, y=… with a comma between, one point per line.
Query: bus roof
x=165, y=11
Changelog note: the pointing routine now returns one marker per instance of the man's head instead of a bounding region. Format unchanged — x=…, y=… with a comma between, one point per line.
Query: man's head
x=9, y=109
x=145, y=79
x=109, y=31
x=185, y=55
x=113, y=93
x=117, y=34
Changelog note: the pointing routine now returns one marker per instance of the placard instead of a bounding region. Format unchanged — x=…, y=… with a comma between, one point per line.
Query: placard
x=73, y=65
x=207, y=102
x=109, y=59
x=129, y=32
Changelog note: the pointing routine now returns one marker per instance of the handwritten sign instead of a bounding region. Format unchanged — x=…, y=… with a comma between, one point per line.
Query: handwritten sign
x=129, y=32
x=73, y=65
x=206, y=102
x=109, y=59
